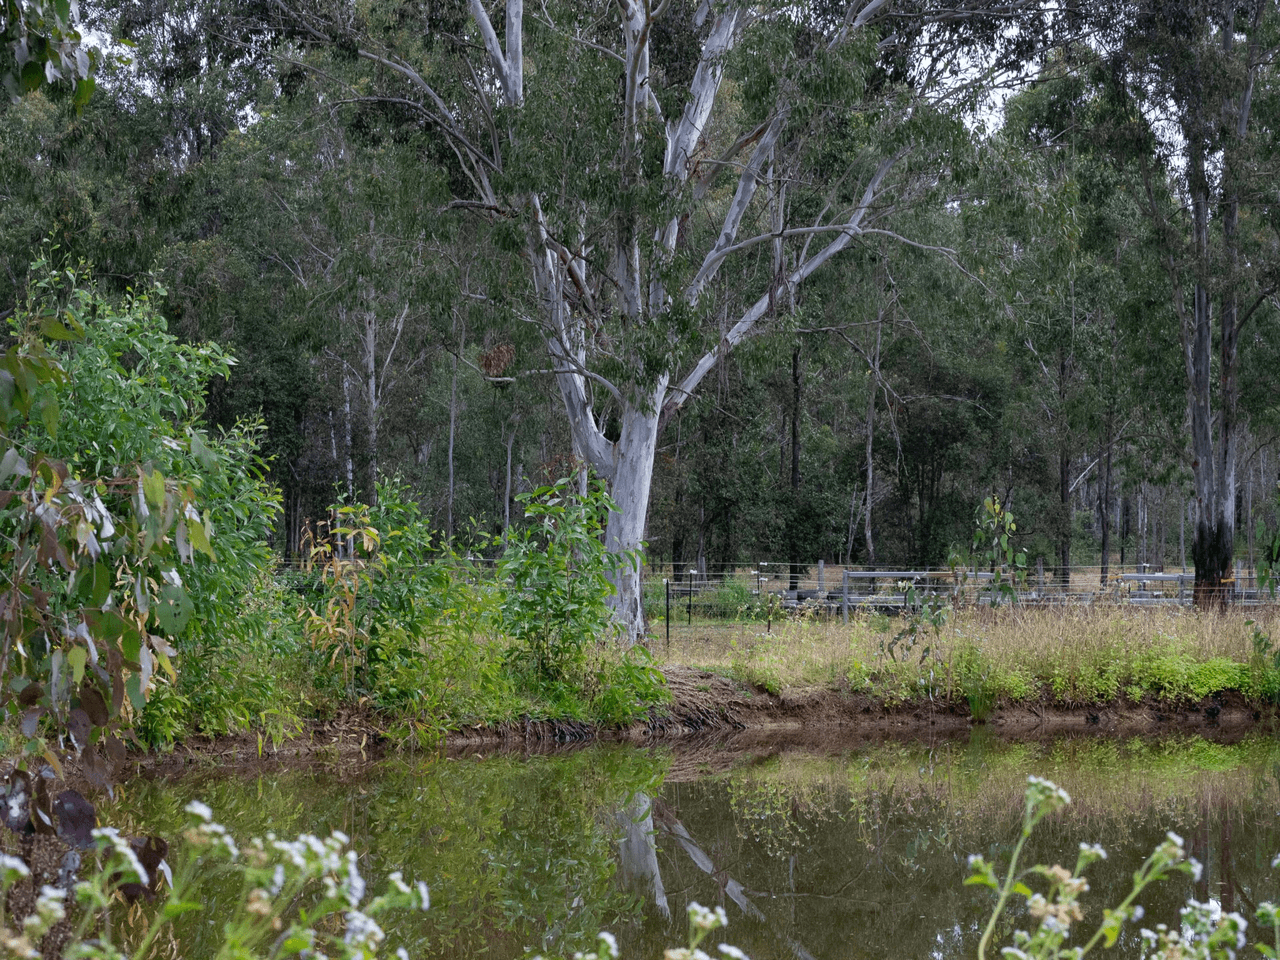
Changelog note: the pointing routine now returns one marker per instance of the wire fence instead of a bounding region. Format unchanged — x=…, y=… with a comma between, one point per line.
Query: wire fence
x=769, y=590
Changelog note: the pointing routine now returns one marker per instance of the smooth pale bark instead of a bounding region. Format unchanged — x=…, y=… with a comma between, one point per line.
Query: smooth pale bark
x=573, y=306
x=871, y=426
x=638, y=853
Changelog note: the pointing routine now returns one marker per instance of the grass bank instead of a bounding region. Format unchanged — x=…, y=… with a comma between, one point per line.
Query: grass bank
x=1070, y=657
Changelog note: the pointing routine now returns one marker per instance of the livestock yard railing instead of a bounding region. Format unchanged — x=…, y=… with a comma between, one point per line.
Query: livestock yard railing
x=769, y=590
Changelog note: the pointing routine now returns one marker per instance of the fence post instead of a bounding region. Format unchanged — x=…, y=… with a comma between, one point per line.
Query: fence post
x=667, y=586
x=844, y=597
x=822, y=588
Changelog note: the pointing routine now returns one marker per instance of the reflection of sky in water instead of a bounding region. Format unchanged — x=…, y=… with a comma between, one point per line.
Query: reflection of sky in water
x=812, y=855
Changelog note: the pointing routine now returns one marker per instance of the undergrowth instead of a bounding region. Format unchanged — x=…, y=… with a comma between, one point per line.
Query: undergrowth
x=419, y=635
x=984, y=659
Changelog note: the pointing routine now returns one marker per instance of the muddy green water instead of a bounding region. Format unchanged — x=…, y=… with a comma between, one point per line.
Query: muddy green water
x=815, y=852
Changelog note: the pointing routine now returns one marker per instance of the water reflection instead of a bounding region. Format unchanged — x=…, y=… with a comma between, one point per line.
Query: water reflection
x=813, y=854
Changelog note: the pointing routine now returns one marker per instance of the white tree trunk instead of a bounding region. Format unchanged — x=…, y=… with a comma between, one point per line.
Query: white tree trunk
x=633, y=474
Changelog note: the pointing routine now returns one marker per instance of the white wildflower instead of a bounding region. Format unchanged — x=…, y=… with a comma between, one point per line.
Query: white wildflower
x=200, y=810
x=1093, y=850
x=49, y=905
x=12, y=865
x=353, y=886
x=396, y=880
x=121, y=846
x=706, y=919
x=424, y=896
x=610, y=944
x=733, y=953
x=362, y=930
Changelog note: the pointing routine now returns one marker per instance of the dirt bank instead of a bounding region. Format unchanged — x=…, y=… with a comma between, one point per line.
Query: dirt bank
x=710, y=713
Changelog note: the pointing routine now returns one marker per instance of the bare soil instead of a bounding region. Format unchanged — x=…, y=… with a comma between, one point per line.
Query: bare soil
x=711, y=718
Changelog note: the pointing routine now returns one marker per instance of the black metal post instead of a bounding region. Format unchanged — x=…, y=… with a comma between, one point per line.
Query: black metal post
x=691, y=600
x=667, y=583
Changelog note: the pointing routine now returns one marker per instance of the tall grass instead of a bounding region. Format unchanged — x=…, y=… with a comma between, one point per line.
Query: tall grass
x=1067, y=655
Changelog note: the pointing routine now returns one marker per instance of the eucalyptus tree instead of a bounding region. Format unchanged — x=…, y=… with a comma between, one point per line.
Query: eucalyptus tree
x=652, y=165
x=1194, y=86
x=41, y=44
x=1074, y=261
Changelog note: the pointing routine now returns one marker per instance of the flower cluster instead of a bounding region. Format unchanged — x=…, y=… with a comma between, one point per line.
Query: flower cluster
x=1206, y=933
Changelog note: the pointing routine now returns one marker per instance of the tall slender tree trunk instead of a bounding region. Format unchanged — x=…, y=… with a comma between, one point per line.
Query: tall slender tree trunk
x=1104, y=505
x=872, y=390
x=453, y=426
x=506, y=496
x=373, y=397
x=794, y=540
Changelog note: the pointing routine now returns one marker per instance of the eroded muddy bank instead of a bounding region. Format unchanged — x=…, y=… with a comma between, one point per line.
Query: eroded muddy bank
x=711, y=713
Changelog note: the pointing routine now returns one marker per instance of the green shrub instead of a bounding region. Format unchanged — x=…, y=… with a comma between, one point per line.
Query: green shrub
x=626, y=686
x=556, y=582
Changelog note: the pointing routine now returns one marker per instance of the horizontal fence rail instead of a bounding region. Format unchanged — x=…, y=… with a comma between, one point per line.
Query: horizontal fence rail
x=769, y=590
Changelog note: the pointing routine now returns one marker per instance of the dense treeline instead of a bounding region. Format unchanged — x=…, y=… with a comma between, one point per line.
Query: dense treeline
x=1015, y=315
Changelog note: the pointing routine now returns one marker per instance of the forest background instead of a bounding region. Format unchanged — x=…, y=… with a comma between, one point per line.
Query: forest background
x=796, y=284
x=1007, y=323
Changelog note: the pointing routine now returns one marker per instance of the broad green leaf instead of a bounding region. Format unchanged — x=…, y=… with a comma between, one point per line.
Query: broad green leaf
x=174, y=610
x=84, y=92
x=153, y=488
x=77, y=657
x=200, y=540
x=133, y=687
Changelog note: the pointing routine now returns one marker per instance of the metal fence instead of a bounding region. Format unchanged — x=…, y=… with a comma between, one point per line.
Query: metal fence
x=769, y=590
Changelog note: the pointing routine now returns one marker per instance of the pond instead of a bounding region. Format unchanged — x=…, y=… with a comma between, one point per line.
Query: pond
x=813, y=850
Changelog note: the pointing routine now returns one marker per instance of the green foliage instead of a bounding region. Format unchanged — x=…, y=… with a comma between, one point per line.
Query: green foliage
x=924, y=613
x=1093, y=680
x=40, y=44
x=408, y=624
x=292, y=898
x=1264, y=666
x=433, y=639
x=114, y=496
x=984, y=684
x=557, y=579
x=626, y=687
x=993, y=549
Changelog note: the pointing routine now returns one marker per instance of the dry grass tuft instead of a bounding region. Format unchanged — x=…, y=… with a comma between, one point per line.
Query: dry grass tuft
x=1080, y=654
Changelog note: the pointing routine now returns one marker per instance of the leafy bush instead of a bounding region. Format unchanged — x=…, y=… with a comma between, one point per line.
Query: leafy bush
x=557, y=580
x=625, y=686
x=114, y=497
